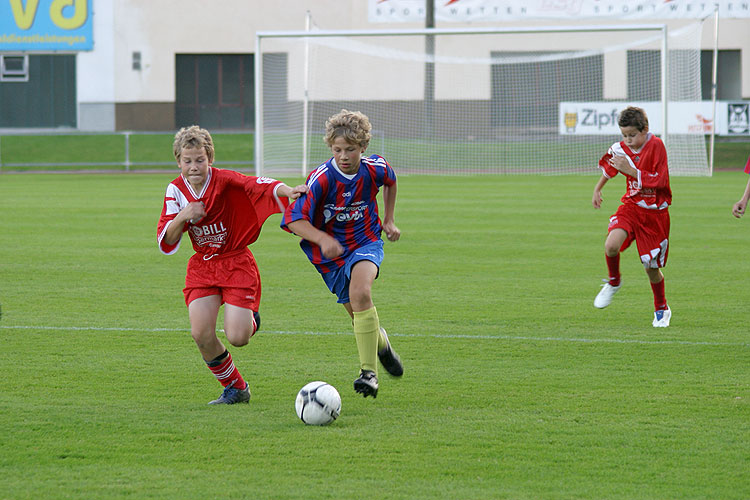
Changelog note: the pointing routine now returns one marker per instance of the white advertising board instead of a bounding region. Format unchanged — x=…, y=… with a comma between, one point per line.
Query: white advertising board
x=600, y=118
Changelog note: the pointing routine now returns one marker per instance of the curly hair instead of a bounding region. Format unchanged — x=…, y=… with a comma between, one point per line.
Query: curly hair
x=633, y=117
x=353, y=126
x=193, y=137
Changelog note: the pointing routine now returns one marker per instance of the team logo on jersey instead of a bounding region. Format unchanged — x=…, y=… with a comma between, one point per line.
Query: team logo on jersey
x=265, y=180
x=344, y=214
x=213, y=235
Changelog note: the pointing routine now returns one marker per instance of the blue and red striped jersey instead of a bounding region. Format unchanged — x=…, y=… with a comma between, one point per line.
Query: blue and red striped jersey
x=347, y=209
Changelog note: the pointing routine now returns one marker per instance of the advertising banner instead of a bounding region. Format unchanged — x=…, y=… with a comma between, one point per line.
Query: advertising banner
x=46, y=25
x=468, y=11
x=600, y=118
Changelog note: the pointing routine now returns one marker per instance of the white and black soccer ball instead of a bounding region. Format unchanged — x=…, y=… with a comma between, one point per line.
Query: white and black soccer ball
x=318, y=403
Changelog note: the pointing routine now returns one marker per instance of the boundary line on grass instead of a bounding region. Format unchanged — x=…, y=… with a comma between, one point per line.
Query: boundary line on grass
x=439, y=336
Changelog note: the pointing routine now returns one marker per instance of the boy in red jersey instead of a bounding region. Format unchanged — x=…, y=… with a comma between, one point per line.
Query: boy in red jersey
x=644, y=213
x=340, y=226
x=223, y=212
x=738, y=209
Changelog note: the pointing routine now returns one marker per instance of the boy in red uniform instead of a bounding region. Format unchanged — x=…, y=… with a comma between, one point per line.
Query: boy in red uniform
x=644, y=214
x=223, y=212
x=738, y=209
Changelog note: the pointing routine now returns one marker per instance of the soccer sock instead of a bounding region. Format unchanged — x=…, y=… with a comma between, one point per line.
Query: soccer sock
x=613, y=265
x=366, y=331
x=660, y=299
x=225, y=372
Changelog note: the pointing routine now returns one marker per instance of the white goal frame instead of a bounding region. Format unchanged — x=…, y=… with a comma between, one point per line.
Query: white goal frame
x=660, y=30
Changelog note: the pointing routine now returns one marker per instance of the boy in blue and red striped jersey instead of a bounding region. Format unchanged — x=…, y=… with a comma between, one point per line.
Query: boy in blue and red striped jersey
x=223, y=212
x=644, y=214
x=339, y=222
x=738, y=209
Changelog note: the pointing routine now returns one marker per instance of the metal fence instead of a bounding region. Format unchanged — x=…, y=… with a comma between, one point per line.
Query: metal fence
x=126, y=164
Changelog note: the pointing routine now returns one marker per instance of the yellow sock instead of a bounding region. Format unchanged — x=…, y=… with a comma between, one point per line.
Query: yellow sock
x=367, y=332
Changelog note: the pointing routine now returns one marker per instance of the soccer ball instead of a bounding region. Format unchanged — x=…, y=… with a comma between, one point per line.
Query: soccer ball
x=318, y=403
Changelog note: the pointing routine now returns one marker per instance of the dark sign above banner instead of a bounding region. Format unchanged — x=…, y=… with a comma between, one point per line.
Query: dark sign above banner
x=468, y=11
x=46, y=25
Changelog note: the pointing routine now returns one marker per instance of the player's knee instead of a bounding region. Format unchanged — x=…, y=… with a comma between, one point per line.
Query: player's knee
x=359, y=297
x=239, y=339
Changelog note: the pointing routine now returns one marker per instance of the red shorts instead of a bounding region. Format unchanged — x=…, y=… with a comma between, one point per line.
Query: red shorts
x=234, y=276
x=649, y=229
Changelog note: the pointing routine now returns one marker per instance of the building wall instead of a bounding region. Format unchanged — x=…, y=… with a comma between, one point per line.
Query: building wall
x=111, y=94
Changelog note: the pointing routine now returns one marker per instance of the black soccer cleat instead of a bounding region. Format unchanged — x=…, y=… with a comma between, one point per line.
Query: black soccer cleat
x=367, y=383
x=231, y=395
x=389, y=359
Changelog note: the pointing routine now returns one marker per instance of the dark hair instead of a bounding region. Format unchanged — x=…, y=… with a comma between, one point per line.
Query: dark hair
x=633, y=117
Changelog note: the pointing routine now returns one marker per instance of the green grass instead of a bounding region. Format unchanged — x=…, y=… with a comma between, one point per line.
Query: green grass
x=153, y=150
x=515, y=386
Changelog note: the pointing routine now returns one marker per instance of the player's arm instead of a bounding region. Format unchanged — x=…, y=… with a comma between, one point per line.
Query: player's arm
x=330, y=247
x=392, y=232
x=622, y=164
x=291, y=193
x=193, y=212
x=738, y=210
x=596, y=200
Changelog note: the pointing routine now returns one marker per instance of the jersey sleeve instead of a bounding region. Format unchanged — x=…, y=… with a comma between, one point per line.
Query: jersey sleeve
x=608, y=170
x=261, y=191
x=655, y=175
x=388, y=177
x=304, y=206
x=747, y=166
x=169, y=211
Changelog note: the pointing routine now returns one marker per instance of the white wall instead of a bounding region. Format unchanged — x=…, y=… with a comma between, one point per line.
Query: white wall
x=161, y=29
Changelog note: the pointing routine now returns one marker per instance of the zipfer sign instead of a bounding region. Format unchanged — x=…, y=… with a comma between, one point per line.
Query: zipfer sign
x=46, y=25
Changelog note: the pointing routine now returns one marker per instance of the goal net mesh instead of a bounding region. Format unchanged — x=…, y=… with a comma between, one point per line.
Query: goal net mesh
x=462, y=102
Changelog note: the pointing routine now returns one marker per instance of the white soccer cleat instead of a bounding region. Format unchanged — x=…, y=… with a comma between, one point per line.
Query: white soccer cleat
x=604, y=297
x=661, y=318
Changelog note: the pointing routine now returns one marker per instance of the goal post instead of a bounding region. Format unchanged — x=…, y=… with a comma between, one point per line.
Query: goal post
x=536, y=100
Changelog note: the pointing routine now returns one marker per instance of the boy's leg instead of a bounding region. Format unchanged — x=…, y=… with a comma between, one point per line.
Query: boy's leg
x=612, y=246
x=203, y=312
x=366, y=325
x=662, y=313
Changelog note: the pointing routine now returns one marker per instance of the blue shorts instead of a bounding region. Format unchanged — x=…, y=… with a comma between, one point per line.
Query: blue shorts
x=338, y=280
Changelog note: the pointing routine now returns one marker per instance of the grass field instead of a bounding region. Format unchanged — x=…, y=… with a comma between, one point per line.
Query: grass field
x=515, y=386
x=149, y=151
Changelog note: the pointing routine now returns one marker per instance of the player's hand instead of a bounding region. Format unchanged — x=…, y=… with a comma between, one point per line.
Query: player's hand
x=619, y=162
x=391, y=231
x=194, y=211
x=331, y=248
x=298, y=191
x=738, y=210
x=596, y=200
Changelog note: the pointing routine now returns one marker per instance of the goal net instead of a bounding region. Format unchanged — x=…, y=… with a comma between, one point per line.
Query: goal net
x=479, y=101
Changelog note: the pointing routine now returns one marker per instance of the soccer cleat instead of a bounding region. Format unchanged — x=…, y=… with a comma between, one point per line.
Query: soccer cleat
x=389, y=359
x=662, y=317
x=604, y=297
x=367, y=383
x=231, y=395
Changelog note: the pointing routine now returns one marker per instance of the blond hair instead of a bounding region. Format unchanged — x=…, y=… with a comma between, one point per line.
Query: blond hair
x=193, y=137
x=353, y=126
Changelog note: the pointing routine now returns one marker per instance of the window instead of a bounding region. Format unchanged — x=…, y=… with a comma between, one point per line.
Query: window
x=14, y=68
x=729, y=75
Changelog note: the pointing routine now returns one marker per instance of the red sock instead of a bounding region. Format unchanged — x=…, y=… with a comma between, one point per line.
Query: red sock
x=613, y=265
x=660, y=299
x=225, y=372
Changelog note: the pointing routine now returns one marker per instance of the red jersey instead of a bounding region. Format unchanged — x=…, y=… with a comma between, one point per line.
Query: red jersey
x=650, y=188
x=237, y=205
